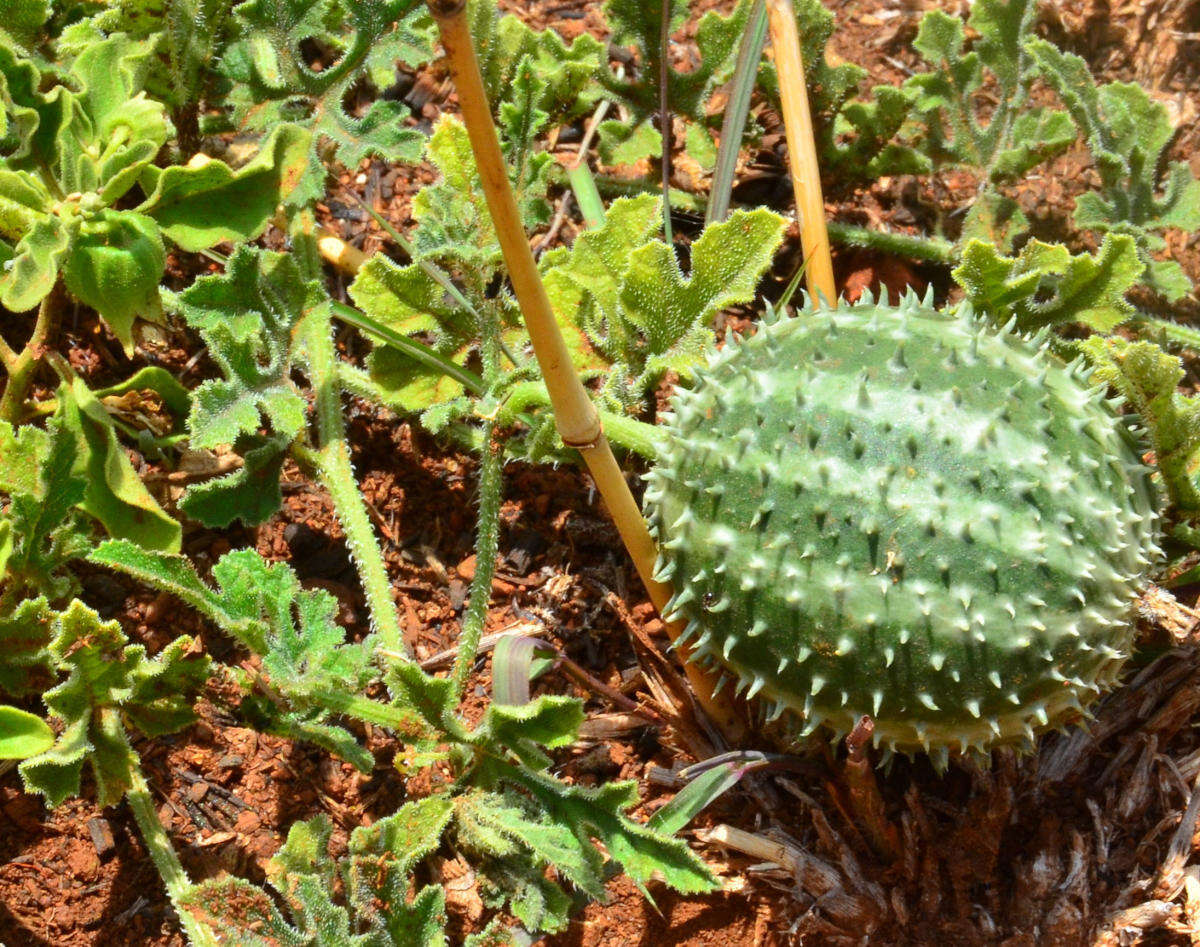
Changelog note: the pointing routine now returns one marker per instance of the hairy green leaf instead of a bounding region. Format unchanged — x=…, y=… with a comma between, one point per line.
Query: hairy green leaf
x=108, y=681
x=45, y=532
x=1047, y=285
x=24, y=20
x=561, y=74
x=642, y=852
x=25, y=635
x=251, y=493
x=551, y=721
x=640, y=23
x=855, y=136
x=175, y=574
x=303, y=650
x=115, y=267
x=200, y=205
x=38, y=256
x=1147, y=377
x=273, y=82
x=113, y=492
x=628, y=293
x=374, y=875
x=1012, y=140
x=247, y=317
x=511, y=843
x=1128, y=134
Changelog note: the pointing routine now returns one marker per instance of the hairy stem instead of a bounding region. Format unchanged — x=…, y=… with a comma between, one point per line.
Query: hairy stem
x=486, y=542
x=933, y=249
x=332, y=461
x=1167, y=333
x=170, y=869
x=664, y=113
x=21, y=367
x=391, y=716
x=487, y=529
x=622, y=430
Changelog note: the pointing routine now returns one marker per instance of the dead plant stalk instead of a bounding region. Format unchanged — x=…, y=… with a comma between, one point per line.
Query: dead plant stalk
x=802, y=149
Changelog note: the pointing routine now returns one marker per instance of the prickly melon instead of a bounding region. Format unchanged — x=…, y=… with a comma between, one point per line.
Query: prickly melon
x=907, y=515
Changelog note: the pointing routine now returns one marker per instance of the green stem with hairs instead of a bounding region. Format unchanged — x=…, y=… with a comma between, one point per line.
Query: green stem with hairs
x=20, y=368
x=1167, y=333
x=390, y=716
x=332, y=463
x=622, y=430
x=170, y=869
x=487, y=530
x=486, y=543
x=932, y=249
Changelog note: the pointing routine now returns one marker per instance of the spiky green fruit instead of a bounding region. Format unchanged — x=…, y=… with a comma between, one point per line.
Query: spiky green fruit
x=907, y=515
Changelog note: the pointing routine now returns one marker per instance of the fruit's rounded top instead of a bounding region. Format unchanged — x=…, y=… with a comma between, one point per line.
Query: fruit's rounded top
x=903, y=514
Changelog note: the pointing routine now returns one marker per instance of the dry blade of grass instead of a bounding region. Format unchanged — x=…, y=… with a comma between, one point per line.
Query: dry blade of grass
x=802, y=150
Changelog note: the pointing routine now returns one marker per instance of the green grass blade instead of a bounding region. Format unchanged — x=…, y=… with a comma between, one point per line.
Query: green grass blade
x=736, y=111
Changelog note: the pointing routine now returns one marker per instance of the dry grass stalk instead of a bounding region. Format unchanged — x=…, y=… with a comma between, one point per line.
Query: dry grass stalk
x=802, y=149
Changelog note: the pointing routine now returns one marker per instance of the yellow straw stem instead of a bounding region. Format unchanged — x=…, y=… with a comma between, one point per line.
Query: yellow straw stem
x=346, y=257
x=802, y=149
x=575, y=416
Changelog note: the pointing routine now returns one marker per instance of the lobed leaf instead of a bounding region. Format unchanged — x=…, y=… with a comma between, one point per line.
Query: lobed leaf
x=374, y=874
x=108, y=680
x=251, y=493
x=113, y=492
x=303, y=650
x=552, y=720
x=1147, y=377
x=199, y=205
x=247, y=317
x=855, y=136
x=45, y=534
x=642, y=852
x=1128, y=133
x=640, y=24
x=1047, y=285
x=626, y=291
x=948, y=98
x=25, y=635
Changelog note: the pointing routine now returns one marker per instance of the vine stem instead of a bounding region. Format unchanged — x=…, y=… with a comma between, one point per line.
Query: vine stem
x=486, y=543
x=932, y=249
x=158, y=843
x=575, y=416
x=802, y=150
x=631, y=434
x=362, y=708
x=332, y=462
x=20, y=368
